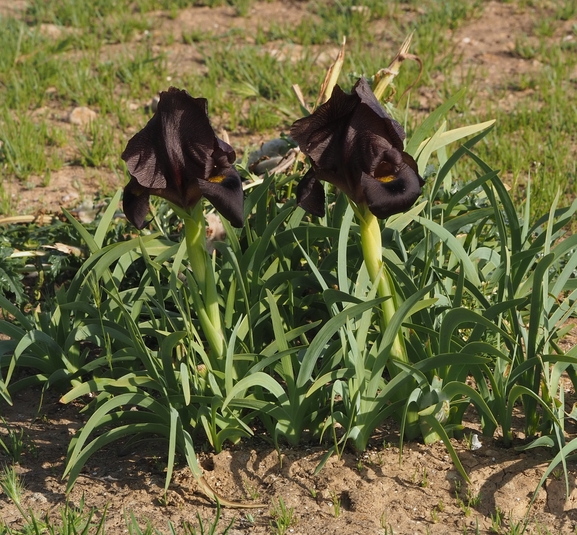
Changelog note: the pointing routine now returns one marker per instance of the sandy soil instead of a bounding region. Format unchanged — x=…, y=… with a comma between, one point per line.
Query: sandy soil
x=424, y=494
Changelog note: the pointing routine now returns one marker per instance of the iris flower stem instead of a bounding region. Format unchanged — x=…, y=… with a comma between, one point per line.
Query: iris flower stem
x=195, y=237
x=372, y=247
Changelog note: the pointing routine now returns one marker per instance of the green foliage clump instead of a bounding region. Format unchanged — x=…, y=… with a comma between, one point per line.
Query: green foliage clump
x=479, y=292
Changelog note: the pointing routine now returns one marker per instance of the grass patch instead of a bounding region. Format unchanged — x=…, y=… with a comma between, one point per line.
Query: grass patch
x=108, y=58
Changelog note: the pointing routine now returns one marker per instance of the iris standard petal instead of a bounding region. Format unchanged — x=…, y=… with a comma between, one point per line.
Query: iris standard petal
x=145, y=156
x=321, y=135
x=388, y=128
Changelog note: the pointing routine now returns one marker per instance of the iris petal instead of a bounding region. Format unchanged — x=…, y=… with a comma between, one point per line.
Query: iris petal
x=388, y=197
x=321, y=134
x=143, y=156
x=311, y=195
x=225, y=193
x=393, y=131
x=136, y=203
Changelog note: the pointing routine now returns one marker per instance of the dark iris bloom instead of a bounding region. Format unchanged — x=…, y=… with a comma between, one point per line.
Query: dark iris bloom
x=354, y=144
x=178, y=157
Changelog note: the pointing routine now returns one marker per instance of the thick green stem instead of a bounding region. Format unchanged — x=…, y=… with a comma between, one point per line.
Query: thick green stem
x=195, y=237
x=372, y=246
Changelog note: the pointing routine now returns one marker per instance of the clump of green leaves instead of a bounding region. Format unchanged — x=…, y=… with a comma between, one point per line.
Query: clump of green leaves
x=473, y=282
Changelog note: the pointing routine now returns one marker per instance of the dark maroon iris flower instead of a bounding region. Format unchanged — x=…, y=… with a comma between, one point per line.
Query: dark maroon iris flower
x=354, y=144
x=178, y=157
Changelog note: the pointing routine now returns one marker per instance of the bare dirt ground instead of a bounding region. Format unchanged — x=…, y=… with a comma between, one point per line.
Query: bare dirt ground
x=376, y=494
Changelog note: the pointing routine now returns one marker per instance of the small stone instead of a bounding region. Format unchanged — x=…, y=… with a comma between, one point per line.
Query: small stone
x=475, y=443
x=81, y=116
x=270, y=149
x=154, y=103
x=266, y=165
x=72, y=196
